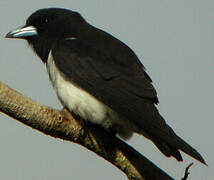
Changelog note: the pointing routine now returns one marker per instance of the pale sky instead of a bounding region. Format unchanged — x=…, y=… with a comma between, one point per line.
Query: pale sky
x=173, y=39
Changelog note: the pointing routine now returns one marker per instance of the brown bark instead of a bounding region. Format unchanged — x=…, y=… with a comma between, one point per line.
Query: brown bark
x=62, y=124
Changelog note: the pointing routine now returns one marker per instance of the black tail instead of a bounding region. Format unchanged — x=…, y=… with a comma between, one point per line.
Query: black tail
x=168, y=150
x=170, y=144
x=173, y=150
x=186, y=148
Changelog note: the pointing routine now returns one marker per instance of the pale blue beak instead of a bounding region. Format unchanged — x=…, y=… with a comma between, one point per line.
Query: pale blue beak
x=22, y=32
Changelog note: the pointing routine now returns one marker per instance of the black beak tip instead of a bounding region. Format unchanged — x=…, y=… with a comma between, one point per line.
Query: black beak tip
x=8, y=35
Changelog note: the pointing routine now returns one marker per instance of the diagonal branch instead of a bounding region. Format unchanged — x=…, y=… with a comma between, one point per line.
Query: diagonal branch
x=64, y=125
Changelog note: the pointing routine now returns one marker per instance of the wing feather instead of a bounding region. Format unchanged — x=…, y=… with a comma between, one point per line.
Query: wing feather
x=127, y=90
x=125, y=87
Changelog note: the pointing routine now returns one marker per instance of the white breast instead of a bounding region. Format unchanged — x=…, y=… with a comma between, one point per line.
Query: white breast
x=81, y=102
x=75, y=98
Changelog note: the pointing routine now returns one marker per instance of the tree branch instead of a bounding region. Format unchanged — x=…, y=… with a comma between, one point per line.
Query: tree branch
x=187, y=172
x=64, y=125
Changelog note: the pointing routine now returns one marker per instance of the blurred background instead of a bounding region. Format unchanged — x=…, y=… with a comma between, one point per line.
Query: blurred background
x=173, y=39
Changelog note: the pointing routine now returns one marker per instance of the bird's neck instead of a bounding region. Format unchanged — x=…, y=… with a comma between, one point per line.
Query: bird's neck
x=42, y=49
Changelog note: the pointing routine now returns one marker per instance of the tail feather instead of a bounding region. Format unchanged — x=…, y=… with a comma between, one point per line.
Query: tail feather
x=168, y=150
x=173, y=150
x=169, y=143
x=170, y=146
x=186, y=148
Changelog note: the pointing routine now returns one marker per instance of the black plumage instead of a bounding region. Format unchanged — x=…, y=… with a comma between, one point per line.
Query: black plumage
x=107, y=69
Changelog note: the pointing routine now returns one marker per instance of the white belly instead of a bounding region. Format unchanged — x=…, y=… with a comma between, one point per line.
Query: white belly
x=81, y=102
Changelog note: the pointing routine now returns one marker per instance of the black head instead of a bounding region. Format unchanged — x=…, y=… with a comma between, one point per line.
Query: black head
x=47, y=26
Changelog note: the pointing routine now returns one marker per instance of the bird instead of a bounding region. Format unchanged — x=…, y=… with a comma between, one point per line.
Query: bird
x=99, y=78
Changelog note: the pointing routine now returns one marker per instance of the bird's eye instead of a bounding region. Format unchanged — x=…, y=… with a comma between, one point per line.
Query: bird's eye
x=45, y=20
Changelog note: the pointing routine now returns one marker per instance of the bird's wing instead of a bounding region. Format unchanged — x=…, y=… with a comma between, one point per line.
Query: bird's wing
x=126, y=88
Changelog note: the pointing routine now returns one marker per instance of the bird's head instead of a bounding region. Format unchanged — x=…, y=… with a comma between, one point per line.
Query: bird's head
x=47, y=26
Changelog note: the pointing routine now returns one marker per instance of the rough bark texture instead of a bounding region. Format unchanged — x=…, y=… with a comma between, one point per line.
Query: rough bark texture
x=62, y=124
